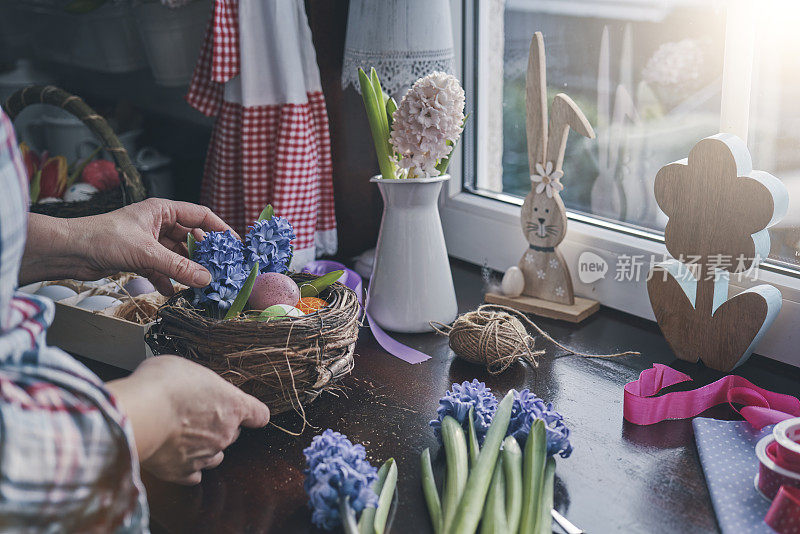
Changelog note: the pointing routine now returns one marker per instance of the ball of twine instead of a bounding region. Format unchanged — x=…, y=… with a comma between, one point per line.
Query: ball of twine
x=494, y=339
x=495, y=336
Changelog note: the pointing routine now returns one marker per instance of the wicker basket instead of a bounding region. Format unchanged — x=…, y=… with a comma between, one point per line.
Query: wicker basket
x=131, y=189
x=286, y=362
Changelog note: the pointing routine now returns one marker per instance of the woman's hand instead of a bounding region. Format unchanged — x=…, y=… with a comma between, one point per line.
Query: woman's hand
x=183, y=416
x=148, y=238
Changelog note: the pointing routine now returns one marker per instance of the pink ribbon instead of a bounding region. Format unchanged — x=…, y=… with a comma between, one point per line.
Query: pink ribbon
x=784, y=514
x=760, y=407
x=353, y=280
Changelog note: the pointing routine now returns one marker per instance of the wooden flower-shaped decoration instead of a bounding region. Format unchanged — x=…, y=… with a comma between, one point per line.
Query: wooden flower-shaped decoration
x=717, y=205
x=719, y=210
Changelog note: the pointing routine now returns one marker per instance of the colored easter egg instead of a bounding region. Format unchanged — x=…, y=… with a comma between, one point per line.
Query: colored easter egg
x=98, y=302
x=311, y=304
x=281, y=310
x=513, y=282
x=138, y=286
x=55, y=292
x=273, y=288
x=78, y=192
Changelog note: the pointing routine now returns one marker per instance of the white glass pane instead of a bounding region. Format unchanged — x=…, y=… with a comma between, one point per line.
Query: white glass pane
x=647, y=74
x=775, y=115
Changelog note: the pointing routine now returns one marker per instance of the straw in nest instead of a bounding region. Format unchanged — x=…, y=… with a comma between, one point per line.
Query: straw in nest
x=286, y=363
x=142, y=309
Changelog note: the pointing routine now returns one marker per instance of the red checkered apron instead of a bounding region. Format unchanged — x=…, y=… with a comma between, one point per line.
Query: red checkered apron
x=262, y=154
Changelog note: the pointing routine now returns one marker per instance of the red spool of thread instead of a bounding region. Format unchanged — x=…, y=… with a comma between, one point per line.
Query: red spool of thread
x=787, y=436
x=779, y=457
x=784, y=513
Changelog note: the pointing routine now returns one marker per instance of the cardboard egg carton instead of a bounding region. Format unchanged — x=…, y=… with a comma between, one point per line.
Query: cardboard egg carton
x=98, y=335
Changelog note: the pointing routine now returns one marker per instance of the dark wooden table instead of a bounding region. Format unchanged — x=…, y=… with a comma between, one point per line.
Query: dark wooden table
x=620, y=477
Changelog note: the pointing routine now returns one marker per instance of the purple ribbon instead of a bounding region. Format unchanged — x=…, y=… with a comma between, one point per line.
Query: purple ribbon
x=353, y=280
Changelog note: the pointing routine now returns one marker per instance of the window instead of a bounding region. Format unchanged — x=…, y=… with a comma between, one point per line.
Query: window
x=774, y=132
x=653, y=77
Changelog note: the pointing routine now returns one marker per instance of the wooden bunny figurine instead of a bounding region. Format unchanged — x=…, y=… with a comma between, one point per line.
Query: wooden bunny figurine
x=544, y=219
x=544, y=223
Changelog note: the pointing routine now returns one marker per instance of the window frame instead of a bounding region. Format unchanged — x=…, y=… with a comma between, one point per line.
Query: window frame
x=484, y=228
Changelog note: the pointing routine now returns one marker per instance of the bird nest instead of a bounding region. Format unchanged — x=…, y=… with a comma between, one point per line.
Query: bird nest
x=285, y=362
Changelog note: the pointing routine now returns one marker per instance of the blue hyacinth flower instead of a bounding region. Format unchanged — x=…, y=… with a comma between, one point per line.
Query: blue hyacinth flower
x=269, y=242
x=223, y=255
x=457, y=402
x=337, y=472
x=526, y=409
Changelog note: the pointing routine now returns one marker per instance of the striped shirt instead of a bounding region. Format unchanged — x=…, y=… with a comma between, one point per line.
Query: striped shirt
x=67, y=461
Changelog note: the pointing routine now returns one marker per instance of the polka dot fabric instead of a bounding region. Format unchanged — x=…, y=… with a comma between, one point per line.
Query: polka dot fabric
x=727, y=454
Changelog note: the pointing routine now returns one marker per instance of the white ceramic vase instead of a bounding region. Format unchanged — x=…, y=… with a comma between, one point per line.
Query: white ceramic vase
x=411, y=282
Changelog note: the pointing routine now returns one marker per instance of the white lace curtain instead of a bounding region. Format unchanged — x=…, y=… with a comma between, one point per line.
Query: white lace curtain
x=403, y=39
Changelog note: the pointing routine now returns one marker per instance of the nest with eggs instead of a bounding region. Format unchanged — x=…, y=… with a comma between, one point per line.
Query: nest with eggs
x=286, y=362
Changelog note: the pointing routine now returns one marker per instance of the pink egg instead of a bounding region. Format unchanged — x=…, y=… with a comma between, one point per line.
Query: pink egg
x=273, y=288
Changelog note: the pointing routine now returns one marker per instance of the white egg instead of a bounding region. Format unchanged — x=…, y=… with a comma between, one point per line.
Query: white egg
x=80, y=191
x=139, y=286
x=513, y=282
x=49, y=200
x=98, y=302
x=55, y=292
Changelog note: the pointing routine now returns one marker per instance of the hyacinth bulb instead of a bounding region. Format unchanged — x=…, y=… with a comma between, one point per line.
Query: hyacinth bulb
x=427, y=124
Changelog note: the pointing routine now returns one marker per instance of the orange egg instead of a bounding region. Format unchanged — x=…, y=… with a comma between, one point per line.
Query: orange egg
x=311, y=304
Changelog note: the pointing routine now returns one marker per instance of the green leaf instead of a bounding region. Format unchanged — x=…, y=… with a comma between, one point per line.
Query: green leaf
x=385, y=497
x=474, y=448
x=544, y=524
x=266, y=213
x=318, y=285
x=430, y=492
x=348, y=516
x=512, y=467
x=468, y=514
x=376, y=115
x=82, y=165
x=36, y=186
x=79, y=7
x=191, y=244
x=366, y=523
x=455, y=449
x=241, y=298
x=382, y=99
x=494, y=513
x=533, y=477
x=391, y=107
